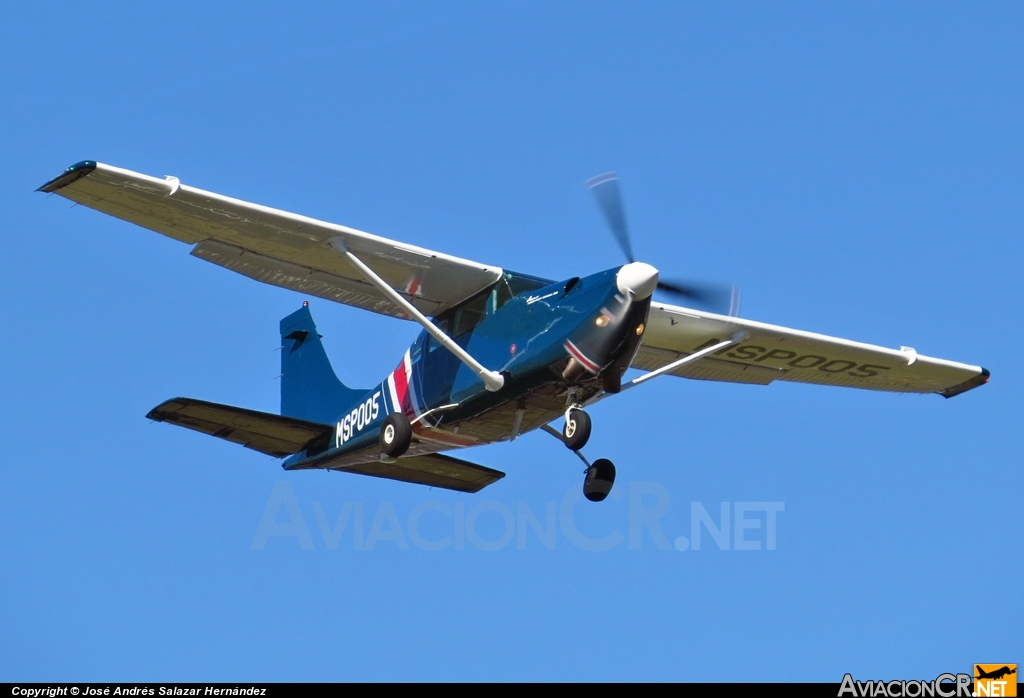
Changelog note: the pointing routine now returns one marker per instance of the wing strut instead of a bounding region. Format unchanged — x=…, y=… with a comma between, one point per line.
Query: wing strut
x=493, y=380
x=689, y=358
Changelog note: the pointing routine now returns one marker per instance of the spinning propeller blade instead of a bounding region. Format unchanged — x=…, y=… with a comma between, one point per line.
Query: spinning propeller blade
x=720, y=299
x=724, y=300
x=609, y=198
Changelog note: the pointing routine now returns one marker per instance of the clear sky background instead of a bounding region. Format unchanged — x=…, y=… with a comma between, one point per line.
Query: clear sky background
x=857, y=168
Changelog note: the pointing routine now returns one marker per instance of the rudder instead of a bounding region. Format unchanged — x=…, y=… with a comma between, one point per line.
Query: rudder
x=310, y=389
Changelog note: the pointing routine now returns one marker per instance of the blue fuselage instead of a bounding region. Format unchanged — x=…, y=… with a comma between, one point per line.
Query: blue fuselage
x=543, y=337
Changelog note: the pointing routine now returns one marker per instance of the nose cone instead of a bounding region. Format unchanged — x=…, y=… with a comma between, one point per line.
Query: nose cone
x=637, y=280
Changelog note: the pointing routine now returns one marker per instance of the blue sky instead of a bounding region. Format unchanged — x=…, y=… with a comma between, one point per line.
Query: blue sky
x=856, y=168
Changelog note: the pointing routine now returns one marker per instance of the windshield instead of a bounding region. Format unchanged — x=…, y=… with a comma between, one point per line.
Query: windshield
x=512, y=285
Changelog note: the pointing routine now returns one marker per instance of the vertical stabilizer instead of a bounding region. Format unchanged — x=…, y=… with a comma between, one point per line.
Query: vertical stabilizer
x=309, y=388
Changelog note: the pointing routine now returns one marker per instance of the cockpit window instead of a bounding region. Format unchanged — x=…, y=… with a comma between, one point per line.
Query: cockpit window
x=521, y=283
x=464, y=318
x=500, y=295
x=511, y=285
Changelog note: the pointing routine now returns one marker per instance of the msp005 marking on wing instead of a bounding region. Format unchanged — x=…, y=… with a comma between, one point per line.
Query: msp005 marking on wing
x=748, y=352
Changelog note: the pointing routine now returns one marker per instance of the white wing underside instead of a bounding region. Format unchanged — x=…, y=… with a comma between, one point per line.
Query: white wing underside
x=773, y=353
x=276, y=247
x=292, y=251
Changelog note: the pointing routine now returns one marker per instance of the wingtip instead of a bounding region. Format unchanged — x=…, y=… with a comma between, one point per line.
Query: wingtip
x=970, y=384
x=159, y=413
x=72, y=174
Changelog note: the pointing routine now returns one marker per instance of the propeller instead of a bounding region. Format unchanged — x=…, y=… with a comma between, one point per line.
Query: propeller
x=715, y=297
x=609, y=200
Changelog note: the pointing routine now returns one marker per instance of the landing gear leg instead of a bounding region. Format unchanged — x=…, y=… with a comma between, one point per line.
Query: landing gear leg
x=599, y=475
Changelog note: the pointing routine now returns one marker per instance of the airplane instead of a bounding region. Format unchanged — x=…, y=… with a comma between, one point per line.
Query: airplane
x=501, y=353
x=995, y=674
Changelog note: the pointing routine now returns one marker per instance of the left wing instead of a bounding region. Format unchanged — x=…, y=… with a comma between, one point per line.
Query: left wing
x=773, y=353
x=277, y=247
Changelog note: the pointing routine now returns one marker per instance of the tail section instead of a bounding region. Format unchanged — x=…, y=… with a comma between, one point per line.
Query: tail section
x=309, y=388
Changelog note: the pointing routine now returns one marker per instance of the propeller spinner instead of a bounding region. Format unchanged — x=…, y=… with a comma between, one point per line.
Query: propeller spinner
x=721, y=299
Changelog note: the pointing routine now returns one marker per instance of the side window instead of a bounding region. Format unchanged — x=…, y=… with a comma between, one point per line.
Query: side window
x=445, y=325
x=419, y=346
x=470, y=315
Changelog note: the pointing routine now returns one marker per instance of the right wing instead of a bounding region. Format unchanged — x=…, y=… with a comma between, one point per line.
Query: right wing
x=772, y=353
x=276, y=247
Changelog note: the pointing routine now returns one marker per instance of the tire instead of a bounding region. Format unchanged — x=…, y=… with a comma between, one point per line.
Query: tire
x=576, y=431
x=599, y=480
x=395, y=435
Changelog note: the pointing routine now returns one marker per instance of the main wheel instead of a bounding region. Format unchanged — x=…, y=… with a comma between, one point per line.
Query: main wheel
x=576, y=431
x=599, y=480
x=395, y=435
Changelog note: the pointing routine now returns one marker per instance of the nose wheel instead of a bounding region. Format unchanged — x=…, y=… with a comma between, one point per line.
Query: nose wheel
x=576, y=431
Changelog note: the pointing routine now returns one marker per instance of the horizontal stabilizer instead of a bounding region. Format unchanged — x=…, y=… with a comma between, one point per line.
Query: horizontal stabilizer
x=267, y=433
x=434, y=470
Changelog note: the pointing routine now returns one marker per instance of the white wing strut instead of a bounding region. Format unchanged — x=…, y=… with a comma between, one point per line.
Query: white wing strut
x=736, y=337
x=690, y=358
x=695, y=356
x=493, y=380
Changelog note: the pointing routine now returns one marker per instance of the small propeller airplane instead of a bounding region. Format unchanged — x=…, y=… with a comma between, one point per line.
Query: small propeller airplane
x=501, y=353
